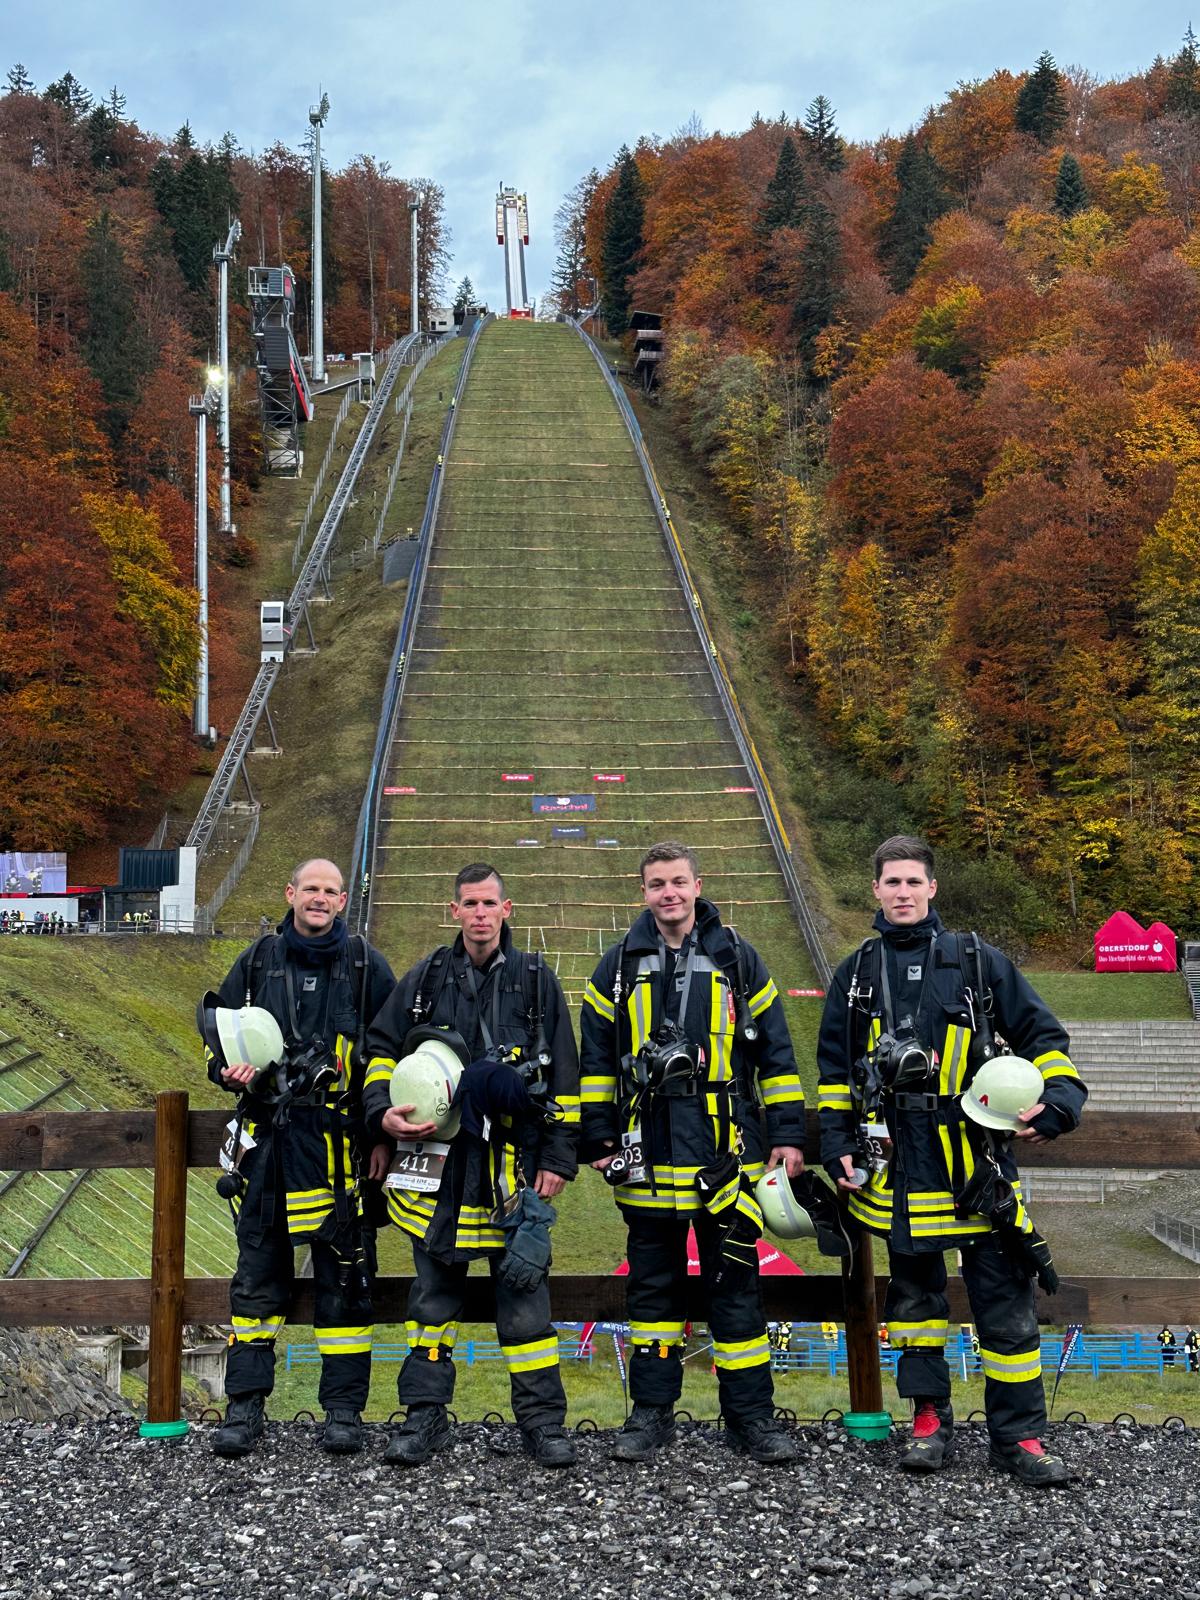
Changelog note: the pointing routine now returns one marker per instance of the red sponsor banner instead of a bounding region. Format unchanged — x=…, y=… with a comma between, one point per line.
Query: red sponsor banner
x=807, y=994
x=609, y=777
x=396, y=789
x=516, y=777
x=746, y=788
x=1123, y=945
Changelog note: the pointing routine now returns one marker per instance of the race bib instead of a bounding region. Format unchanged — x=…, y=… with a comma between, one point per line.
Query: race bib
x=229, y=1156
x=418, y=1164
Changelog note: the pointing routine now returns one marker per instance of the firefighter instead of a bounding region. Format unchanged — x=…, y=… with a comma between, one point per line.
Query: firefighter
x=909, y=1020
x=684, y=1039
x=520, y=1120
x=1192, y=1346
x=294, y=1156
x=1166, y=1339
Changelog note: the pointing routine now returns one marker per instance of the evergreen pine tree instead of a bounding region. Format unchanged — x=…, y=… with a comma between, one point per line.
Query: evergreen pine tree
x=824, y=140
x=18, y=81
x=622, y=242
x=1183, y=86
x=820, y=278
x=115, y=103
x=1070, y=191
x=113, y=346
x=8, y=278
x=786, y=199
x=921, y=198
x=464, y=295
x=70, y=94
x=1042, y=104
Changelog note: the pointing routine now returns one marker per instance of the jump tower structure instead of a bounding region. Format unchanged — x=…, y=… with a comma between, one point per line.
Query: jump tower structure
x=512, y=231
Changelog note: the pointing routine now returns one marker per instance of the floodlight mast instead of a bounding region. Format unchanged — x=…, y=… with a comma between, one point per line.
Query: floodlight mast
x=201, y=408
x=413, y=208
x=223, y=257
x=316, y=116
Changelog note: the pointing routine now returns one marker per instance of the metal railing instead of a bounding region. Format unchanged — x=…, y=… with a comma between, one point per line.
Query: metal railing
x=232, y=761
x=358, y=908
x=1178, y=1234
x=206, y=916
x=721, y=679
x=302, y=536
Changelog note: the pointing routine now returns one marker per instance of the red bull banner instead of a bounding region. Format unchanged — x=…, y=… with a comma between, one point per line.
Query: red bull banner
x=1123, y=945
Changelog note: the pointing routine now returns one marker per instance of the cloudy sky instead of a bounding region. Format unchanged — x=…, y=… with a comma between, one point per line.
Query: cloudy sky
x=533, y=93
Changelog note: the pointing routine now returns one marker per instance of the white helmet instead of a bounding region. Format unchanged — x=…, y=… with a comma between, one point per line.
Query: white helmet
x=427, y=1077
x=246, y=1037
x=782, y=1211
x=1001, y=1089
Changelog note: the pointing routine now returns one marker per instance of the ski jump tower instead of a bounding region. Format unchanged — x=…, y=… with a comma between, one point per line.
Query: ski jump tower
x=283, y=392
x=512, y=231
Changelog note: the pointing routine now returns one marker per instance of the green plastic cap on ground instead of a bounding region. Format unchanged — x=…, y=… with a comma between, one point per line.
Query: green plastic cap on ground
x=1001, y=1089
x=782, y=1212
x=868, y=1424
x=426, y=1080
x=164, y=1430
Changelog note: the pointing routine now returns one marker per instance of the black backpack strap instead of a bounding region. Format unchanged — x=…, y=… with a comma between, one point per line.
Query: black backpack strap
x=258, y=956
x=982, y=994
x=423, y=998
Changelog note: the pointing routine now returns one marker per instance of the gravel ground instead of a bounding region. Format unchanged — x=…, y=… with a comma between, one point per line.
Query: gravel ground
x=92, y=1510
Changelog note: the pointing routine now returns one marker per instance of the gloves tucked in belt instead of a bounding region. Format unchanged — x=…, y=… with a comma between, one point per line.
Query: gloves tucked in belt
x=526, y=1259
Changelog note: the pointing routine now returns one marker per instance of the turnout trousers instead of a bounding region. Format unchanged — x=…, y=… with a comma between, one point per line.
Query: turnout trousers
x=656, y=1298
x=527, y=1339
x=259, y=1296
x=1002, y=1303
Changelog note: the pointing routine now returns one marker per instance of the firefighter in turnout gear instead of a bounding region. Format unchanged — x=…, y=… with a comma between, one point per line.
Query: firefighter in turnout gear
x=466, y=1196
x=1167, y=1340
x=293, y=1157
x=908, y=1022
x=685, y=1055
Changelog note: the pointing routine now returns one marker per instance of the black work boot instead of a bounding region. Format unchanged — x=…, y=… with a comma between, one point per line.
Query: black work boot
x=245, y=1419
x=763, y=1439
x=343, y=1435
x=932, y=1438
x=1030, y=1463
x=550, y=1445
x=424, y=1431
x=647, y=1430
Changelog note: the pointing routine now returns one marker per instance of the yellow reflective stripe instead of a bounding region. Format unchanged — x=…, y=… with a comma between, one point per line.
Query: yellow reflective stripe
x=930, y=1200
x=733, y=1355
x=302, y=1195
x=1054, y=1064
x=641, y=1198
x=380, y=1069
x=749, y=1207
x=834, y=1097
x=531, y=1357
x=919, y=1335
x=599, y=1003
x=656, y=1332
x=725, y=1195
x=754, y=1170
x=937, y=1227
x=784, y=1089
x=256, y=1330
x=1020, y=1368
x=720, y=1027
x=640, y=1006
x=343, y=1341
x=597, y=1089
x=423, y=1336
x=765, y=997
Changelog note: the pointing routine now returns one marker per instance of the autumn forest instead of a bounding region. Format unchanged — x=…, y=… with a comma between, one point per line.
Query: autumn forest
x=948, y=386
x=107, y=317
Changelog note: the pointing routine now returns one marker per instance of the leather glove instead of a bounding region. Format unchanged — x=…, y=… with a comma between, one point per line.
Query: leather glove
x=526, y=1259
x=1040, y=1262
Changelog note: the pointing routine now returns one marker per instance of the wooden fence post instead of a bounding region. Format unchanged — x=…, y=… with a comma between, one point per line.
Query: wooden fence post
x=862, y=1330
x=163, y=1420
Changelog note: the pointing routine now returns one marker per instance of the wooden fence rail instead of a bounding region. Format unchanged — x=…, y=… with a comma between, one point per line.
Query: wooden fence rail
x=171, y=1138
